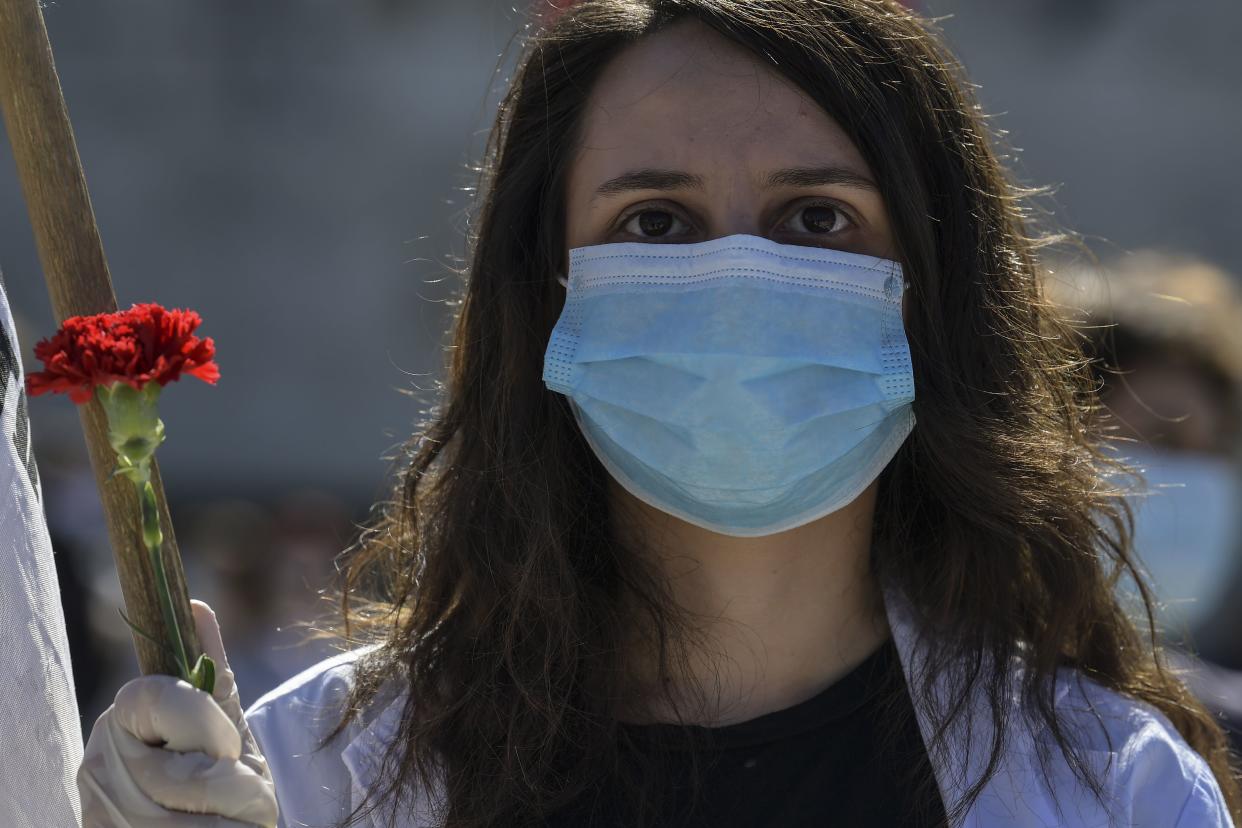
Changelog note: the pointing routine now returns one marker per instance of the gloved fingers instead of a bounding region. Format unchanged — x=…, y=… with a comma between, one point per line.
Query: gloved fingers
x=225, y=691
x=208, y=627
x=197, y=783
x=165, y=711
x=100, y=809
x=252, y=757
x=155, y=787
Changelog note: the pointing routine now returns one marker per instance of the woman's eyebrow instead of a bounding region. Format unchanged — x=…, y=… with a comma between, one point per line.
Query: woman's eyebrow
x=660, y=179
x=649, y=179
x=819, y=177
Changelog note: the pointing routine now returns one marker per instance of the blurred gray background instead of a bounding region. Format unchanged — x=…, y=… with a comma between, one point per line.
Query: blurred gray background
x=295, y=172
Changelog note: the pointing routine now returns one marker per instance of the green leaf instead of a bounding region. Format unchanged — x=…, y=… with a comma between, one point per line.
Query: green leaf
x=161, y=644
x=203, y=676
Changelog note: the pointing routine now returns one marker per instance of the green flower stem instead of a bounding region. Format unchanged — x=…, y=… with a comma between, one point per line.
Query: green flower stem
x=135, y=431
x=153, y=536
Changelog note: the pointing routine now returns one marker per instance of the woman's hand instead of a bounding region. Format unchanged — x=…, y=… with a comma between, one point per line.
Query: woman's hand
x=165, y=754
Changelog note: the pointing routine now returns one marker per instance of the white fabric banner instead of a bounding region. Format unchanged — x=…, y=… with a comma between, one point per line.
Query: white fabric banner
x=40, y=736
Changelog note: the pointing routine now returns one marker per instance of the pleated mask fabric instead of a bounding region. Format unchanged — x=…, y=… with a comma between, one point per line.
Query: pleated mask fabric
x=743, y=385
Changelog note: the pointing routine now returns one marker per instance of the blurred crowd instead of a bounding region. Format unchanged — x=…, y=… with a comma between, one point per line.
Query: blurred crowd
x=1165, y=334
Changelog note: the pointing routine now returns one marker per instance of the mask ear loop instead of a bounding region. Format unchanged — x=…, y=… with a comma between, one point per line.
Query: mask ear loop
x=564, y=282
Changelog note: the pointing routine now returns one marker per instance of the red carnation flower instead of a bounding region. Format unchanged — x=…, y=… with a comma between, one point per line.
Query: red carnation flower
x=147, y=343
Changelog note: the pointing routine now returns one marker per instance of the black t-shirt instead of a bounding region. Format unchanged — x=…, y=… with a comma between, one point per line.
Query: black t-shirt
x=834, y=759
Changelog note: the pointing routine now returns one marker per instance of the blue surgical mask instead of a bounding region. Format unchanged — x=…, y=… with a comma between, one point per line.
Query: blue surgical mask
x=742, y=385
x=1187, y=531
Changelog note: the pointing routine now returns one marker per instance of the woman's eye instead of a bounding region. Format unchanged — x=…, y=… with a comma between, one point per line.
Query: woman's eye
x=653, y=224
x=820, y=219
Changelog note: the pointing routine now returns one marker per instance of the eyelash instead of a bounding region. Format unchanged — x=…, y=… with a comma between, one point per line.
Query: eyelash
x=678, y=216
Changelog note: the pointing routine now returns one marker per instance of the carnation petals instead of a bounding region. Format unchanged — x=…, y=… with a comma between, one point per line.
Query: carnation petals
x=147, y=343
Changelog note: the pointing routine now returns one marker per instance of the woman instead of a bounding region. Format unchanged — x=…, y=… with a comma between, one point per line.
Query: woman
x=674, y=551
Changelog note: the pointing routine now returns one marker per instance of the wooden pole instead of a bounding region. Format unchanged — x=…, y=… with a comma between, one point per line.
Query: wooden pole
x=79, y=284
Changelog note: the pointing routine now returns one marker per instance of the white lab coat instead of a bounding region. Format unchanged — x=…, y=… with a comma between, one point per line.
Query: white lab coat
x=1152, y=778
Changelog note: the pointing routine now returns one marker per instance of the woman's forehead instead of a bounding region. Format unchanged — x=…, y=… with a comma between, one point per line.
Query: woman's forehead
x=688, y=98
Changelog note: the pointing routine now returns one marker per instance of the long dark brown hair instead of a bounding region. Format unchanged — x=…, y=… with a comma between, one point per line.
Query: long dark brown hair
x=492, y=580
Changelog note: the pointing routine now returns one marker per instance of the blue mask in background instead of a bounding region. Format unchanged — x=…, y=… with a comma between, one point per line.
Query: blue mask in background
x=1187, y=530
x=742, y=385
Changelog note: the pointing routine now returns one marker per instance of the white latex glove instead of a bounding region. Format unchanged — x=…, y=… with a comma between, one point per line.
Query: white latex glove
x=165, y=754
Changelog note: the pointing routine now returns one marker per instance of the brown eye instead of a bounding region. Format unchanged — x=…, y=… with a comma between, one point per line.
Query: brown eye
x=651, y=224
x=822, y=218
x=818, y=219
x=654, y=222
